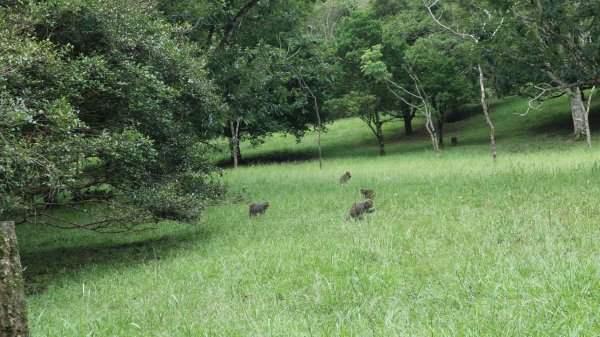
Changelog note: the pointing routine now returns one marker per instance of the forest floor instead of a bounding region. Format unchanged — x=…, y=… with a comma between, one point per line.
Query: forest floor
x=456, y=246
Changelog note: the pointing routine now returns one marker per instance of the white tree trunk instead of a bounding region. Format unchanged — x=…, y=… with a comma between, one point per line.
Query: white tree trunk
x=485, y=107
x=580, y=123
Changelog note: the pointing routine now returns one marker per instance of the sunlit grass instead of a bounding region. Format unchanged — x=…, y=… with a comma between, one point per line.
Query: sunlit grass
x=457, y=246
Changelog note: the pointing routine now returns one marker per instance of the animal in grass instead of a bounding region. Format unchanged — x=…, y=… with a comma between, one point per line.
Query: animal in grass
x=258, y=208
x=345, y=177
x=454, y=141
x=359, y=208
x=369, y=193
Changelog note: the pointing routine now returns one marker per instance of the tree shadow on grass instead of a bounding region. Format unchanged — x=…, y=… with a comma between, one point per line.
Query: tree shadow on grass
x=44, y=267
x=272, y=158
x=563, y=123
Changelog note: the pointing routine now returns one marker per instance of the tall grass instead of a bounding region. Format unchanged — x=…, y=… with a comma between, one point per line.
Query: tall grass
x=457, y=246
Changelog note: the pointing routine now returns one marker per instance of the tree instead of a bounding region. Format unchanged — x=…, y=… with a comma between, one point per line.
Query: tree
x=247, y=44
x=434, y=59
x=365, y=106
x=373, y=66
x=356, y=34
x=311, y=67
x=475, y=24
x=326, y=16
x=560, y=38
x=102, y=103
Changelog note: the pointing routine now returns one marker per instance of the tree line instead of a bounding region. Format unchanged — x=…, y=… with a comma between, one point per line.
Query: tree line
x=117, y=103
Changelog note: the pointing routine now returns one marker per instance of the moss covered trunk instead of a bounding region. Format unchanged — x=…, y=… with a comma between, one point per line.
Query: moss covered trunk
x=13, y=312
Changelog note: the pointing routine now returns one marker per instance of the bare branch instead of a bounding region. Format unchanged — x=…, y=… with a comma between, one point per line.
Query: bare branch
x=530, y=105
x=425, y=109
x=403, y=99
x=462, y=35
x=455, y=32
x=498, y=28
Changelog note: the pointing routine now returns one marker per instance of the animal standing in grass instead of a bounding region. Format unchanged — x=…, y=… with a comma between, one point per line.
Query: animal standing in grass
x=258, y=208
x=368, y=193
x=365, y=206
x=345, y=177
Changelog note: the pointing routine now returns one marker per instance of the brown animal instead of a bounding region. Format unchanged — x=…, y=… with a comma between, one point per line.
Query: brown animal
x=344, y=178
x=368, y=193
x=258, y=208
x=365, y=206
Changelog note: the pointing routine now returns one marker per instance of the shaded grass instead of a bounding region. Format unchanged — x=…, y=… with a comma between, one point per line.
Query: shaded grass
x=457, y=246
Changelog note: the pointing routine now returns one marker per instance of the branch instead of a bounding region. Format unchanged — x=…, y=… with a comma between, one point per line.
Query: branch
x=228, y=34
x=497, y=28
x=403, y=99
x=530, y=105
x=589, y=103
x=462, y=35
x=455, y=32
x=101, y=226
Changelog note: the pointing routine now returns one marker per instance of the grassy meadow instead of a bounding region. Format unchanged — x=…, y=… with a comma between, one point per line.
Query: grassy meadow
x=456, y=246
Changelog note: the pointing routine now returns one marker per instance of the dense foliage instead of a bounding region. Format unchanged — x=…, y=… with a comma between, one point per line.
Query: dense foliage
x=102, y=102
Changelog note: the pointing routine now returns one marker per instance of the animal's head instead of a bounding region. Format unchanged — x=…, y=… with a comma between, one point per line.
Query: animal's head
x=266, y=204
x=348, y=174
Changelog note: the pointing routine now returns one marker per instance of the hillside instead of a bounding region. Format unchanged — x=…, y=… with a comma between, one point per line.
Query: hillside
x=456, y=245
x=547, y=128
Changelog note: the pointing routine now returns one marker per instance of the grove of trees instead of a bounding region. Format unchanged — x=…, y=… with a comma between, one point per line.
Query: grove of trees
x=116, y=103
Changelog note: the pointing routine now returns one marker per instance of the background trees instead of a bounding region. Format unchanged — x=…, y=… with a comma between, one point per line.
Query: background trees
x=118, y=101
x=359, y=95
x=560, y=40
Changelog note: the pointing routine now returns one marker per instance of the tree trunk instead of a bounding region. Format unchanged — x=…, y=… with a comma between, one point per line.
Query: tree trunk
x=440, y=125
x=431, y=128
x=316, y=104
x=13, y=312
x=379, y=130
x=484, y=105
x=234, y=142
x=580, y=125
x=586, y=111
x=407, y=116
x=379, y=135
x=319, y=140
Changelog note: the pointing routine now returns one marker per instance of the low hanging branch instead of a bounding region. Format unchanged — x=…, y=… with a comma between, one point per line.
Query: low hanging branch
x=544, y=89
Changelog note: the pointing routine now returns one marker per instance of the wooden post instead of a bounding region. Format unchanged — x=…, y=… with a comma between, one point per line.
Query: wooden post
x=13, y=312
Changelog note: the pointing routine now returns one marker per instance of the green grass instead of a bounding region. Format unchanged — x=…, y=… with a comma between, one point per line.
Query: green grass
x=457, y=245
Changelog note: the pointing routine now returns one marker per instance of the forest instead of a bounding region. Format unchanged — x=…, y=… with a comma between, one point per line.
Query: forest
x=135, y=133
